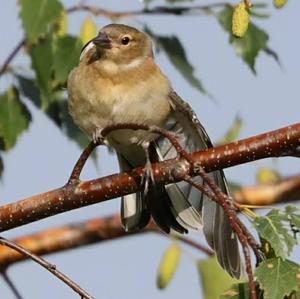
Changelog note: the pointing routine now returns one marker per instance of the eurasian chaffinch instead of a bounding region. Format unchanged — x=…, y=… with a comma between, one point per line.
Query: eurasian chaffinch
x=117, y=81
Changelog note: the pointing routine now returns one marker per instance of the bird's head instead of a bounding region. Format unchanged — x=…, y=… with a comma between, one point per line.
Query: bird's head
x=120, y=44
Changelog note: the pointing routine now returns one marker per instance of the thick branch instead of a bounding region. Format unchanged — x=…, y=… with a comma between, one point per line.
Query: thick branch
x=282, y=142
x=284, y=191
x=110, y=228
x=79, y=234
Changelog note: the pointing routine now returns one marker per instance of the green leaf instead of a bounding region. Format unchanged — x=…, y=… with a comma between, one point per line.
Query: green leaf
x=42, y=62
x=277, y=277
x=66, y=55
x=293, y=216
x=168, y=266
x=29, y=89
x=176, y=53
x=240, y=291
x=274, y=230
x=232, y=133
x=37, y=17
x=253, y=42
x=14, y=118
x=211, y=273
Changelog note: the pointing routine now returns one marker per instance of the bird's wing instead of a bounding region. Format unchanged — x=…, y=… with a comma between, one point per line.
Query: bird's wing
x=187, y=201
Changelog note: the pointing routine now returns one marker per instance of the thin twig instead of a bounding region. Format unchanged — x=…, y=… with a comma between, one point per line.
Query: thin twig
x=50, y=267
x=74, y=177
x=159, y=10
x=11, y=56
x=11, y=285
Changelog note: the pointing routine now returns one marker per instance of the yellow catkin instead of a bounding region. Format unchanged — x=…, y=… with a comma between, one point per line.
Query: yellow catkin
x=279, y=3
x=88, y=30
x=267, y=176
x=168, y=266
x=240, y=20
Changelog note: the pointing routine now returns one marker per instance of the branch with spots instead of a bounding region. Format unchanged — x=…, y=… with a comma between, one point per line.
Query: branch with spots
x=110, y=228
x=75, y=194
x=278, y=143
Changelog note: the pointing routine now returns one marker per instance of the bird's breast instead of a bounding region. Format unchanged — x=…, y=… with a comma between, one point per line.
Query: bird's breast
x=97, y=101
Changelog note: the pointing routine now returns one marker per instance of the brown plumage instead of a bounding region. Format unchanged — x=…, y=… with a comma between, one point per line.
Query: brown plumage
x=117, y=81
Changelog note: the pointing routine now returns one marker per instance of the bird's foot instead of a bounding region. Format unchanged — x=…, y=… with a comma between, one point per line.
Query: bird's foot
x=147, y=177
x=97, y=136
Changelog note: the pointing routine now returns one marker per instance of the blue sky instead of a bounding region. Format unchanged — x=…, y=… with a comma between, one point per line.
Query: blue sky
x=43, y=157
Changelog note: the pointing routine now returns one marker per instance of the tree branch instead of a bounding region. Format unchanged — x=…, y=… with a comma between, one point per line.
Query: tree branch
x=159, y=10
x=11, y=285
x=11, y=56
x=282, y=142
x=285, y=190
x=50, y=267
x=80, y=234
x=110, y=228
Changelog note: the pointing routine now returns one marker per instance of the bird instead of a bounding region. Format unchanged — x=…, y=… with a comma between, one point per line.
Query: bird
x=118, y=81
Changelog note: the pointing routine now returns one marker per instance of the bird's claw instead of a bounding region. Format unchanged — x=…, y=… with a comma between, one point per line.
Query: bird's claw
x=147, y=176
x=98, y=137
x=148, y=173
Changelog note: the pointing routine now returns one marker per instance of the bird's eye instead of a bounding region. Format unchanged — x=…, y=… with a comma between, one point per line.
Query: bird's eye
x=125, y=40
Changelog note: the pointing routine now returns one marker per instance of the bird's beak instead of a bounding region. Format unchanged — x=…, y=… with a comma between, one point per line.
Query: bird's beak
x=102, y=41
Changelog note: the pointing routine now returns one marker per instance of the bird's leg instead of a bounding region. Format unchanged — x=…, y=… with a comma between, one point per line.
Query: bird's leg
x=97, y=136
x=148, y=173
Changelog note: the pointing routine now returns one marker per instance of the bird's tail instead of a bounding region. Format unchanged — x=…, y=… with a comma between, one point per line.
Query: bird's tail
x=179, y=206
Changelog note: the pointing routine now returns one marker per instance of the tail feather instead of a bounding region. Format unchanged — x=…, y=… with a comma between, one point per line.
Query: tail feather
x=134, y=212
x=179, y=206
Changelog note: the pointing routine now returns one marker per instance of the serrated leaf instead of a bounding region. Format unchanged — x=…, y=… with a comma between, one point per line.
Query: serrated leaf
x=210, y=273
x=28, y=88
x=37, y=17
x=65, y=57
x=14, y=118
x=88, y=30
x=273, y=229
x=240, y=291
x=168, y=266
x=293, y=215
x=277, y=277
x=233, y=132
x=172, y=46
x=42, y=62
x=253, y=42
